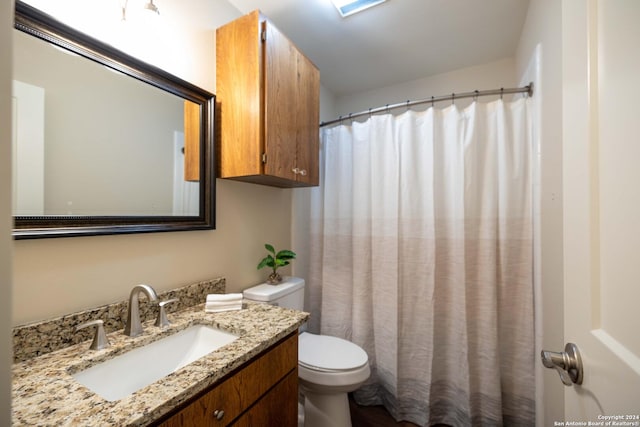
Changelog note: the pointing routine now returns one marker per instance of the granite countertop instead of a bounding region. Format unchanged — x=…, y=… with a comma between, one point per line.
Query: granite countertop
x=45, y=394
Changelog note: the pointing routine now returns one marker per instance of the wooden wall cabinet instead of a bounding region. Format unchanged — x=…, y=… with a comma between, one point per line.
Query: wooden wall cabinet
x=262, y=393
x=268, y=96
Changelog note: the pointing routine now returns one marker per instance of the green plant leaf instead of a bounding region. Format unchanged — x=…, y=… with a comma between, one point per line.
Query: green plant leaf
x=286, y=254
x=267, y=261
x=276, y=260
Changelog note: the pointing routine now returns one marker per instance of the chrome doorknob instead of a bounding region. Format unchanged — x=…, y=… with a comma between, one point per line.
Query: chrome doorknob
x=568, y=363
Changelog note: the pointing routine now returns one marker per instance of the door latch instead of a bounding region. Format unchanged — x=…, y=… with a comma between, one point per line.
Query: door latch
x=568, y=363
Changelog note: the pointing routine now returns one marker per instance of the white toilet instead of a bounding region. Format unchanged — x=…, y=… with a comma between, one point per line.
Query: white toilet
x=328, y=367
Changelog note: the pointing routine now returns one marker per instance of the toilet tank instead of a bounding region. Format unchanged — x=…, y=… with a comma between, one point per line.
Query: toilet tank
x=288, y=294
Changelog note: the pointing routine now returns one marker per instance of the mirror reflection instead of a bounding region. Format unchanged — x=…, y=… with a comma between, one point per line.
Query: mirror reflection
x=104, y=143
x=92, y=141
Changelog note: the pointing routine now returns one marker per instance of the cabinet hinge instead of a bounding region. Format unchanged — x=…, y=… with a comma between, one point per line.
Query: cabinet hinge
x=263, y=35
x=264, y=157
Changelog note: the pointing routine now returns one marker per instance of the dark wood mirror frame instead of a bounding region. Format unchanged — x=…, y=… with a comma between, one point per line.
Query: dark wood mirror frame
x=39, y=24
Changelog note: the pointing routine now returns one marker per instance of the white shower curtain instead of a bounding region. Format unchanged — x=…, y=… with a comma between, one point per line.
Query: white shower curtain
x=422, y=253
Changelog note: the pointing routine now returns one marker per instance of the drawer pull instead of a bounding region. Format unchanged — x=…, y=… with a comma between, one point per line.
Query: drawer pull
x=218, y=413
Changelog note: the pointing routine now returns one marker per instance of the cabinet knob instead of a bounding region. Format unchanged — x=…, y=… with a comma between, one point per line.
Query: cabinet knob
x=218, y=413
x=297, y=171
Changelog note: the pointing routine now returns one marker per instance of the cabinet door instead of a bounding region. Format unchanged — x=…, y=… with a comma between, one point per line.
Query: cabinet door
x=279, y=407
x=239, y=97
x=308, y=119
x=281, y=99
x=292, y=85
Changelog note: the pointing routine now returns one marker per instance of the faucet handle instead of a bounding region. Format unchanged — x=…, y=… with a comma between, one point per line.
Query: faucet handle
x=100, y=340
x=162, y=321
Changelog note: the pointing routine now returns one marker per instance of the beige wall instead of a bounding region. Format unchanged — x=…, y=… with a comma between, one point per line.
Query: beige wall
x=543, y=30
x=479, y=77
x=57, y=276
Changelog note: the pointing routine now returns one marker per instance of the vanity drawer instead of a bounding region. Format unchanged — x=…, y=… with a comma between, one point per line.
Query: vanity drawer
x=260, y=382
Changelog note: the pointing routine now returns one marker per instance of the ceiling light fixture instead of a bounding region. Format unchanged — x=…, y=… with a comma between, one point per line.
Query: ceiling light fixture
x=349, y=7
x=152, y=7
x=147, y=6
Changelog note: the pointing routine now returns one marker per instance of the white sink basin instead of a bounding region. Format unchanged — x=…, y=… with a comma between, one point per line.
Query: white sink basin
x=119, y=377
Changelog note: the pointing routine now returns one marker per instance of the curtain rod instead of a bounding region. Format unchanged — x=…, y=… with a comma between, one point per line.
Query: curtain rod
x=502, y=91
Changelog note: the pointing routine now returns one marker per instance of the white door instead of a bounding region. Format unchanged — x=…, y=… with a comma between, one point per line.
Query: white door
x=601, y=164
x=28, y=149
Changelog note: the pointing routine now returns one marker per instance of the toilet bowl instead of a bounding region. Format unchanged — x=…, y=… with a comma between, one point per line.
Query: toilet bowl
x=328, y=367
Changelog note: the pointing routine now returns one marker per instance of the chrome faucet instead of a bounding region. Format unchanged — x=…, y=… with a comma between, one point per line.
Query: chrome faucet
x=133, y=328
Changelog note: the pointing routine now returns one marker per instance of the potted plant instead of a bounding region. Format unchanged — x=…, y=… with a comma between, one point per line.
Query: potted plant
x=275, y=260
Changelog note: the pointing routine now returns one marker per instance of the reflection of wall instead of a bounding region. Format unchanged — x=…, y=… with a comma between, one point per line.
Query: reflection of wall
x=109, y=138
x=57, y=276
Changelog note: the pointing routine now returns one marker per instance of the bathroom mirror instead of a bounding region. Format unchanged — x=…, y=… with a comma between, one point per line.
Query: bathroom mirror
x=104, y=143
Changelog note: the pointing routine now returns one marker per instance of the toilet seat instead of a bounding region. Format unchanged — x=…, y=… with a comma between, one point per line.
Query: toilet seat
x=325, y=353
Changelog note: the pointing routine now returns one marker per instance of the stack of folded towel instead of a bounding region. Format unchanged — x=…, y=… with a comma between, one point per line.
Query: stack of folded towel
x=223, y=302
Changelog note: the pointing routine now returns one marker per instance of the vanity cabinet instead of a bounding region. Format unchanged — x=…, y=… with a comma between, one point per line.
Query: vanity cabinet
x=268, y=96
x=262, y=392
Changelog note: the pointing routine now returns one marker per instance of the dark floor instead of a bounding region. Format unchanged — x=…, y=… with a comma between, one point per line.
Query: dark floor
x=373, y=416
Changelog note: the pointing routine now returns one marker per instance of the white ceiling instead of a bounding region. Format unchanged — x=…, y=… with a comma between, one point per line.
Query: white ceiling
x=397, y=41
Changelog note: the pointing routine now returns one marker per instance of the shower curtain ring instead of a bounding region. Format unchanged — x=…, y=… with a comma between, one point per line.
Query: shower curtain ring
x=475, y=97
x=501, y=93
x=407, y=105
x=453, y=97
x=432, y=102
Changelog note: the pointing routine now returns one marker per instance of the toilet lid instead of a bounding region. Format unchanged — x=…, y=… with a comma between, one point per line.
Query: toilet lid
x=329, y=353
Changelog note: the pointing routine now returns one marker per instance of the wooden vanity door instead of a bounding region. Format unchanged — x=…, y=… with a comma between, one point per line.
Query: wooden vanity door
x=275, y=408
